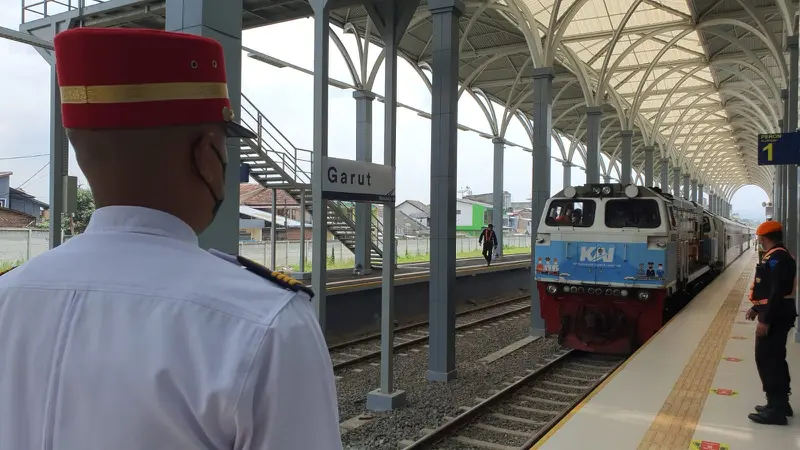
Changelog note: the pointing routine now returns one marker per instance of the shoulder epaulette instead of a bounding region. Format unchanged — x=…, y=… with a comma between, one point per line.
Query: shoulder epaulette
x=278, y=278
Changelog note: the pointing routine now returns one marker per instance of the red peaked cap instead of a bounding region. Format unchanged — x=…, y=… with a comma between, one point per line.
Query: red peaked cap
x=115, y=78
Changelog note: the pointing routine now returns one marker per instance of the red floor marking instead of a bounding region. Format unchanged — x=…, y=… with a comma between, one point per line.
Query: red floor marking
x=725, y=392
x=731, y=359
x=708, y=445
x=738, y=337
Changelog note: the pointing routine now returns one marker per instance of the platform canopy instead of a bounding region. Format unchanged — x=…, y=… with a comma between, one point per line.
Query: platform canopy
x=697, y=80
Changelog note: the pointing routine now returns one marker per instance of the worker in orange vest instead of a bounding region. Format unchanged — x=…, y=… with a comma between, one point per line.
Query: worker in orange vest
x=772, y=296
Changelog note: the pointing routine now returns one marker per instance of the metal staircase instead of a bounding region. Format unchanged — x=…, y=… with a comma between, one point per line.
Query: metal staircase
x=276, y=163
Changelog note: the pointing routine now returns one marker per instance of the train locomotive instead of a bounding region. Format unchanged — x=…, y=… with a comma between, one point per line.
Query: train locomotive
x=615, y=262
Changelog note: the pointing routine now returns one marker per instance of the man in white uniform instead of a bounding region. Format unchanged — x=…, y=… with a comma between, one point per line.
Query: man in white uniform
x=129, y=336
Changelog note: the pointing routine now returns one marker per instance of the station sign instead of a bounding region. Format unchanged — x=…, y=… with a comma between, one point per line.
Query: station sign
x=778, y=149
x=357, y=181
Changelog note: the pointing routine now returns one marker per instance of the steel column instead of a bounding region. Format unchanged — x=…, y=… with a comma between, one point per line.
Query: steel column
x=780, y=171
x=59, y=161
x=319, y=217
x=700, y=198
x=792, y=229
x=649, y=166
x=363, y=230
x=627, y=156
x=302, y=230
x=567, y=177
x=445, y=15
x=498, y=207
x=676, y=182
x=712, y=203
x=542, y=129
x=790, y=176
x=593, y=116
x=665, y=175
x=392, y=19
x=221, y=21
x=686, y=187
x=272, y=237
x=694, y=191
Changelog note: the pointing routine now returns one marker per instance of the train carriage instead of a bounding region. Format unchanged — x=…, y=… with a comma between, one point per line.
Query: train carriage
x=614, y=262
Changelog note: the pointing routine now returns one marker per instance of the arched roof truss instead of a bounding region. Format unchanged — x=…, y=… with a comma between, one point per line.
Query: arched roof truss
x=695, y=81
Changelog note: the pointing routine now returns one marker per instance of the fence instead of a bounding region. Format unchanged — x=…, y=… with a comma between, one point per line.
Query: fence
x=19, y=245
x=287, y=253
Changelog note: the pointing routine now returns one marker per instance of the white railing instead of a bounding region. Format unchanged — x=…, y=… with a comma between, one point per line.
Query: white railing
x=40, y=9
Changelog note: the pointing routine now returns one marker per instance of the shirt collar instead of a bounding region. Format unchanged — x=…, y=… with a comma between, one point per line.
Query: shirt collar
x=135, y=219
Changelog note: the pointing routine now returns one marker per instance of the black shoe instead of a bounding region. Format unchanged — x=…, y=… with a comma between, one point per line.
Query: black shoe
x=768, y=416
x=786, y=411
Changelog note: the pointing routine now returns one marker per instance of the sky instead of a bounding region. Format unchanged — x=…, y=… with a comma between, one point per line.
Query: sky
x=285, y=96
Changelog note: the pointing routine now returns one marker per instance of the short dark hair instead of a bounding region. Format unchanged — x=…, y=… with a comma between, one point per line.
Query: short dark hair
x=775, y=236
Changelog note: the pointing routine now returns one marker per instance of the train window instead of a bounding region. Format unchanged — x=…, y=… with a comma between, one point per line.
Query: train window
x=706, y=225
x=633, y=213
x=576, y=213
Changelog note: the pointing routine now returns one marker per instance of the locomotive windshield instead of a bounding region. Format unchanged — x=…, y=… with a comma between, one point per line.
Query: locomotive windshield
x=572, y=212
x=633, y=213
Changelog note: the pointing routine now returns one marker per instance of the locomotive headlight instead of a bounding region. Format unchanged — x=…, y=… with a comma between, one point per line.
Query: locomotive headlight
x=580, y=290
x=616, y=292
x=609, y=292
x=591, y=290
x=552, y=289
x=606, y=190
x=573, y=289
x=644, y=295
x=623, y=292
x=566, y=288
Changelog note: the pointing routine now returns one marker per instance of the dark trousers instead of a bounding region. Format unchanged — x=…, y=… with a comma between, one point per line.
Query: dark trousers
x=487, y=251
x=771, y=360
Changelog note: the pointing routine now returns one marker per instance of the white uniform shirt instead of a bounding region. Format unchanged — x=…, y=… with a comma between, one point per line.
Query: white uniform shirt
x=131, y=337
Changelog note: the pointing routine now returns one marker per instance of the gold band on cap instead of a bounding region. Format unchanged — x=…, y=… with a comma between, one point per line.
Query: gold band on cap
x=138, y=93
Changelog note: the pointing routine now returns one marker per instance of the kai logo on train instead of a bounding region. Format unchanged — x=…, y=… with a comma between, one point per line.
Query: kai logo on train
x=597, y=254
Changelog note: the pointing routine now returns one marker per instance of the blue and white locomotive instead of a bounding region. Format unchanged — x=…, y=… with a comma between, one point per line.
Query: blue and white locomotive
x=614, y=262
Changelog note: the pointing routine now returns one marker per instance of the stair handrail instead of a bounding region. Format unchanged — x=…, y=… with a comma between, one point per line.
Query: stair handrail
x=288, y=159
x=283, y=153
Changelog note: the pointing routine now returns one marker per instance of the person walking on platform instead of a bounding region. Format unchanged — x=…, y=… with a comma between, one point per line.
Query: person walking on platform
x=772, y=296
x=130, y=336
x=489, y=240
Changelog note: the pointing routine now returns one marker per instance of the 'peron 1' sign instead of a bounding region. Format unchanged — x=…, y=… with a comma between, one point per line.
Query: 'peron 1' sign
x=358, y=181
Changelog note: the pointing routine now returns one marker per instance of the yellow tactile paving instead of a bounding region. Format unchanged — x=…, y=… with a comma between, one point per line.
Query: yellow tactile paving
x=675, y=423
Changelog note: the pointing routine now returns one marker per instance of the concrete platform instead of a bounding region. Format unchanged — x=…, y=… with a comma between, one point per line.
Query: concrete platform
x=341, y=280
x=690, y=387
x=354, y=304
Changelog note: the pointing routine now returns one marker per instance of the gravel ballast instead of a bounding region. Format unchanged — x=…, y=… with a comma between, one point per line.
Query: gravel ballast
x=430, y=403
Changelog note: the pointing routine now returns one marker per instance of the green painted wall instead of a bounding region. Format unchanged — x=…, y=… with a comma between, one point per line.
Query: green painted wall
x=478, y=224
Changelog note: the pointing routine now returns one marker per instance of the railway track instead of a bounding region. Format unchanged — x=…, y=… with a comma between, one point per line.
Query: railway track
x=521, y=413
x=366, y=348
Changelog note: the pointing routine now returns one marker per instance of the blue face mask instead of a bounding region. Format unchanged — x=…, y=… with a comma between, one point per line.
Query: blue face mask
x=217, y=201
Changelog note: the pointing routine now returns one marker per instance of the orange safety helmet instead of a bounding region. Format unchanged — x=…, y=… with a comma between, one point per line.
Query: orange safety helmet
x=768, y=227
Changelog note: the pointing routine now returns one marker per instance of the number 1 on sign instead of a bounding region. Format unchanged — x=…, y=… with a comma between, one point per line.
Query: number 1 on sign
x=768, y=148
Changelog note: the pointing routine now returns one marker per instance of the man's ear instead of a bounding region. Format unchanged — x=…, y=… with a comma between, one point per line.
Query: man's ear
x=208, y=158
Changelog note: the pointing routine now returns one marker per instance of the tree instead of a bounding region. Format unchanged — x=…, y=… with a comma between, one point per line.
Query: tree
x=85, y=210
x=81, y=217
